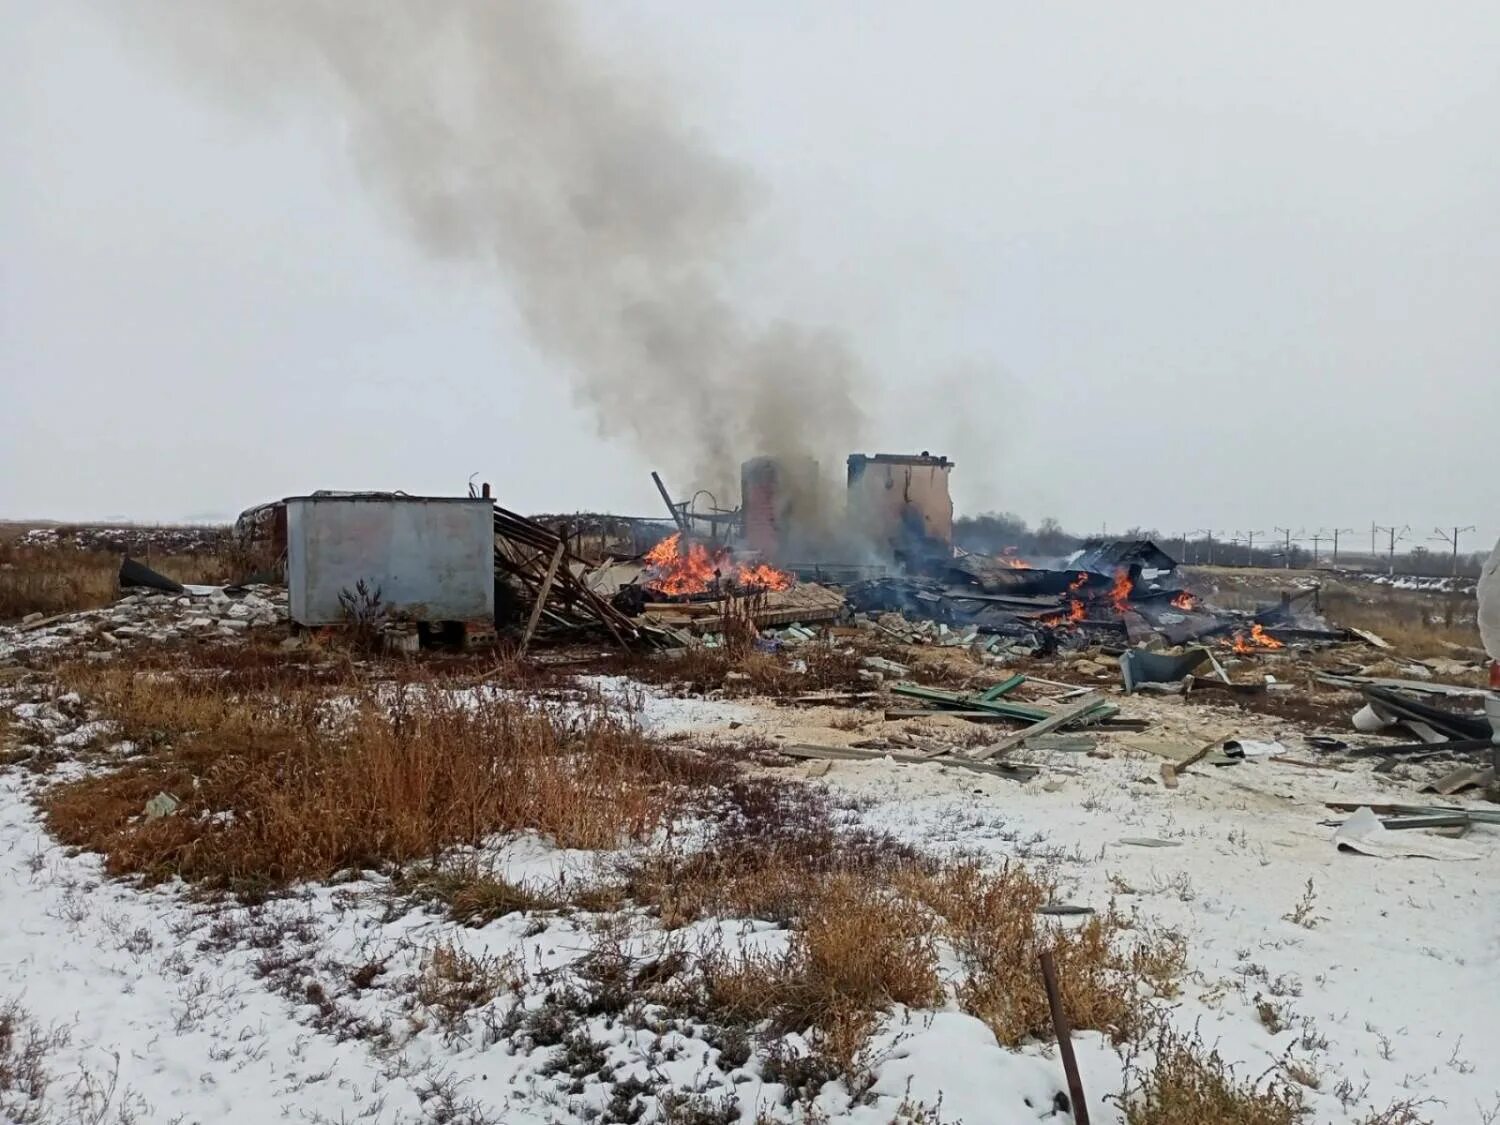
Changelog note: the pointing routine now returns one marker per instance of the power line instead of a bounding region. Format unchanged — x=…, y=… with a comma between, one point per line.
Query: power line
x=1209, y=534
x=1336, y=533
x=1396, y=535
x=1315, y=539
x=1287, y=549
x=1250, y=546
x=1452, y=540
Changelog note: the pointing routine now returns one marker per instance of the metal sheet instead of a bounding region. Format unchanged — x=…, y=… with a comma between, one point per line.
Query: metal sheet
x=431, y=558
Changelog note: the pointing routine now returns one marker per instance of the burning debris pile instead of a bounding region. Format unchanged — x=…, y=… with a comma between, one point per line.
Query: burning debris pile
x=1126, y=593
x=683, y=586
x=675, y=569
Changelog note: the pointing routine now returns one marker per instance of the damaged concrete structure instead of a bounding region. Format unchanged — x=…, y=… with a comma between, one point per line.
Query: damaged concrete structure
x=900, y=504
x=779, y=504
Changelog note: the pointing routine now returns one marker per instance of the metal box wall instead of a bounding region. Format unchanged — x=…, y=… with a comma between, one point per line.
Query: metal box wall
x=431, y=557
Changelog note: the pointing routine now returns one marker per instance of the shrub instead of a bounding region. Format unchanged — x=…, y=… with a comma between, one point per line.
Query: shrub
x=1189, y=1084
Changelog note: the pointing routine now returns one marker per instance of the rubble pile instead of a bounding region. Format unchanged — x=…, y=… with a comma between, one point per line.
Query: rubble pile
x=152, y=617
x=144, y=540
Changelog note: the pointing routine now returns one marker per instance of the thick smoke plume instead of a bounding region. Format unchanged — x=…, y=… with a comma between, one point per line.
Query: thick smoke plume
x=496, y=135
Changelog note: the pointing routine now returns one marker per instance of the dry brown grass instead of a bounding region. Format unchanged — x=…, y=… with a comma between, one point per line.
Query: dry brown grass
x=63, y=580
x=858, y=950
x=866, y=938
x=1190, y=1084
x=1407, y=1111
x=868, y=914
x=287, y=784
x=772, y=845
x=452, y=982
x=1110, y=974
x=1417, y=624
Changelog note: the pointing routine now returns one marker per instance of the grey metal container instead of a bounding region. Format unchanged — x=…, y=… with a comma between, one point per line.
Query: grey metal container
x=430, y=557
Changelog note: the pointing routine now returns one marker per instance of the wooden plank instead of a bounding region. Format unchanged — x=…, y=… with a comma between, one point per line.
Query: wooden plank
x=989, y=695
x=1370, y=638
x=849, y=753
x=1071, y=713
x=44, y=622
x=1171, y=770
x=960, y=702
x=928, y=712
x=1218, y=668
x=541, y=598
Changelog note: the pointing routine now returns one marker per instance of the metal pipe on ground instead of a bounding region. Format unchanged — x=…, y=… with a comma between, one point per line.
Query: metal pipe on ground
x=1064, y=1039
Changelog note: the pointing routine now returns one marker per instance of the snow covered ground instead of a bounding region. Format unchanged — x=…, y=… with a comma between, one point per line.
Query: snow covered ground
x=1375, y=975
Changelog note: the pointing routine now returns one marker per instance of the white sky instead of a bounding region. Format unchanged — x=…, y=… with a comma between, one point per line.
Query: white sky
x=1176, y=265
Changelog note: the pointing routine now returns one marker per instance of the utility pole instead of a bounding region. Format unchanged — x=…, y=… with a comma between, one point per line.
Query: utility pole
x=1286, y=550
x=1336, y=533
x=1184, y=546
x=1208, y=533
x=1315, y=540
x=1250, y=546
x=1396, y=535
x=1452, y=541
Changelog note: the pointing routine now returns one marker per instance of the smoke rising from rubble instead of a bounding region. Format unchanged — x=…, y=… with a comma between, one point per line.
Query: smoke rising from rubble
x=498, y=137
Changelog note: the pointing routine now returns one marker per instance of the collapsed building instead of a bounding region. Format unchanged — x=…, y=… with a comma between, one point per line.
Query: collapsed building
x=791, y=554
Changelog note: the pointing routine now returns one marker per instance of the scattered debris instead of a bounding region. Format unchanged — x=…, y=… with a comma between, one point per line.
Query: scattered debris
x=523, y=554
x=133, y=573
x=1138, y=666
x=163, y=804
x=1365, y=833
x=948, y=758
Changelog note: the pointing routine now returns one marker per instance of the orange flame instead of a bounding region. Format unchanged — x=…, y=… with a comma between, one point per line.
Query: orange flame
x=1008, y=557
x=1256, y=640
x=1185, y=600
x=1074, y=613
x=1119, y=591
x=675, y=571
x=762, y=576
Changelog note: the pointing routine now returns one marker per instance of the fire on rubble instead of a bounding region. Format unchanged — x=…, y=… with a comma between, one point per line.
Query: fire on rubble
x=1257, y=640
x=679, y=569
x=1075, y=613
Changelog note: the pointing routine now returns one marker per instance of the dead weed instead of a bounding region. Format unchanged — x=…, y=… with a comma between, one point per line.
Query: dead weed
x=1190, y=1084
x=291, y=784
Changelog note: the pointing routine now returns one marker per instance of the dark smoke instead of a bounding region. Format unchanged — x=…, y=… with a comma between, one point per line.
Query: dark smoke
x=496, y=135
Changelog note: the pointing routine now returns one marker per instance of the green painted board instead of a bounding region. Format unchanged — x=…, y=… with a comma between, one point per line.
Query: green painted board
x=956, y=701
x=1002, y=688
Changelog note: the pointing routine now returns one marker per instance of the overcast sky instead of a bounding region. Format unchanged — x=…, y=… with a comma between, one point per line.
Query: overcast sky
x=1176, y=265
